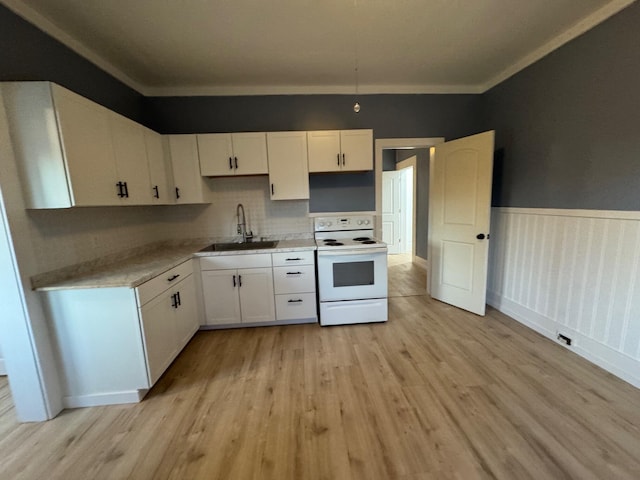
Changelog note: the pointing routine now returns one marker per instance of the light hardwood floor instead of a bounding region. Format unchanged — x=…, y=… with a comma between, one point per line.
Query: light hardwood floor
x=435, y=393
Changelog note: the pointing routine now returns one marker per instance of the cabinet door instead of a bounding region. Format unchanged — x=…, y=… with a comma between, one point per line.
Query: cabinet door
x=220, y=292
x=357, y=150
x=288, y=167
x=159, y=332
x=88, y=149
x=256, y=295
x=250, y=153
x=186, y=168
x=131, y=159
x=162, y=191
x=186, y=315
x=216, y=154
x=324, y=151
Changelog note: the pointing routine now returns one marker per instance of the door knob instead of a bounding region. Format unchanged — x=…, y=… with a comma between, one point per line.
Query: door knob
x=480, y=236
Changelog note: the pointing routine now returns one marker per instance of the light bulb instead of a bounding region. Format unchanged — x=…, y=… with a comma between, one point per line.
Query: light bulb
x=356, y=107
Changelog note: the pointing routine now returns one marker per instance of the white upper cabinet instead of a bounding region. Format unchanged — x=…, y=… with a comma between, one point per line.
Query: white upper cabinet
x=74, y=152
x=340, y=150
x=131, y=160
x=223, y=154
x=288, y=168
x=189, y=186
x=160, y=174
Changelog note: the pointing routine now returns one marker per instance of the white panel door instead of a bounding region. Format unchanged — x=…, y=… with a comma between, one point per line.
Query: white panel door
x=162, y=191
x=221, y=300
x=250, y=153
x=357, y=150
x=216, y=154
x=288, y=166
x=186, y=315
x=405, y=196
x=459, y=214
x=390, y=210
x=88, y=149
x=324, y=151
x=186, y=169
x=159, y=333
x=256, y=295
x=131, y=160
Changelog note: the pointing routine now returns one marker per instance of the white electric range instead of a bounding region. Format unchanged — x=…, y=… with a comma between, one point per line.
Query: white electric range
x=352, y=270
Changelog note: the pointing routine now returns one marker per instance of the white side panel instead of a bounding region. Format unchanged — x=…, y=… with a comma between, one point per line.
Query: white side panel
x=34, y=134
x=572, y=272
x=98, y=340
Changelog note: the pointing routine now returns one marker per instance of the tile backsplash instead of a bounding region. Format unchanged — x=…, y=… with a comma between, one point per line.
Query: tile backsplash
x=68, y=236
x=265, y=217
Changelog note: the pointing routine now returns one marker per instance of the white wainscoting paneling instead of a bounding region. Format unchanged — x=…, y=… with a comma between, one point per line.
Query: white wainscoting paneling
x=573, y=272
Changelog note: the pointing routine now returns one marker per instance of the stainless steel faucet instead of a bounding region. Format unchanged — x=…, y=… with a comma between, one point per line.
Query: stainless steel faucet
x=242, y=224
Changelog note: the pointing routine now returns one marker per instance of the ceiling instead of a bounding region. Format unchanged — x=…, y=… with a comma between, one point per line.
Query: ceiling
x=244, y=47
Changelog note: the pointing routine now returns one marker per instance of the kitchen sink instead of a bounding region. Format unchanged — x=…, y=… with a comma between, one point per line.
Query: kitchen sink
x=225, y=247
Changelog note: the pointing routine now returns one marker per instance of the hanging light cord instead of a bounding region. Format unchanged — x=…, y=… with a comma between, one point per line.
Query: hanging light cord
x=356, y=106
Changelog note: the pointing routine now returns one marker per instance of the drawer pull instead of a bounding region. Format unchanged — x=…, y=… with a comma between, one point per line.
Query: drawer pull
x=173, y=277
x=297, y=259
x=295, y=301
x=294, y=273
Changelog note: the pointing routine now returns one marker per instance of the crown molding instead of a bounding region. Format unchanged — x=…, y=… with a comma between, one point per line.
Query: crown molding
x=236, y=90
x=575, y=31
x=51, y=29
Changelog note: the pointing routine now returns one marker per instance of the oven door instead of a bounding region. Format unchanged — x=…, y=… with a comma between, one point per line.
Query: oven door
x=352, y=274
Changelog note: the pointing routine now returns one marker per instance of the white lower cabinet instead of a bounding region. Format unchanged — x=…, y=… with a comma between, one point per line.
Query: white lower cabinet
x=259, y=288
x=168, y=323
x=114, y=343
x=238, y=295
x=294, y=275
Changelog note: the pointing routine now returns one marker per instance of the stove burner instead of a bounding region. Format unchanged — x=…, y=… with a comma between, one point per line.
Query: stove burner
x=327, y=240
x=334, y=244
x=369, y=242
x=361, y=239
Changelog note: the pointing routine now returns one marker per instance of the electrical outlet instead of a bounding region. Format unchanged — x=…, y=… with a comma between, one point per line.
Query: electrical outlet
x=564, y=339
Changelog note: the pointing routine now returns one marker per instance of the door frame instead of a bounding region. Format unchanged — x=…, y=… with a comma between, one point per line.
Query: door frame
x=399, y=143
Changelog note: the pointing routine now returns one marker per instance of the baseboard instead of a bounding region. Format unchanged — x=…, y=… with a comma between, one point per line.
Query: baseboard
x=96, y=400
x=613, y=361
x=420, y=262
x=3, y=370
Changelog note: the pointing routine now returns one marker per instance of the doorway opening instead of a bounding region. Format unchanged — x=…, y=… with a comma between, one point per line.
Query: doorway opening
x=402, y=196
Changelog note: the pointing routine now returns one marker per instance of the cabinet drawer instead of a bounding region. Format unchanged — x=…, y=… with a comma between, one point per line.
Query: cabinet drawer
x=228, y=262
x=294, y=279
x=296, y=306
x=293, y=258
x=154, y=287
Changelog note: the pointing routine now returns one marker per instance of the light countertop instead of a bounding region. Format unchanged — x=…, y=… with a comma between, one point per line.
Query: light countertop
x=133, y=269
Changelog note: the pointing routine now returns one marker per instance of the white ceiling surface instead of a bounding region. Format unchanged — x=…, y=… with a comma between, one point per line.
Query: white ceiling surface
x=218, y=47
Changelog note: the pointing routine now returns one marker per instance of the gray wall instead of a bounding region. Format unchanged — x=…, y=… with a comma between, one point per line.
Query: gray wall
x=388, y=160
x=27, y=53
x=568, y=127
x=422, y=195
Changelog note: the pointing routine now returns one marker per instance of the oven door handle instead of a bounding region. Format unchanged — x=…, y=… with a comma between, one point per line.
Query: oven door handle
x=355, y=251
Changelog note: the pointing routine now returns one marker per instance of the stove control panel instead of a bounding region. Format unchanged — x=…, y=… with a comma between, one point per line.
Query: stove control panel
x=338, y=223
